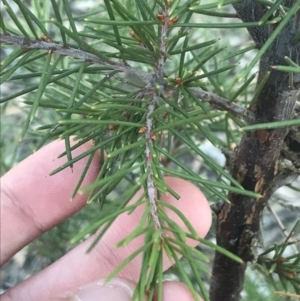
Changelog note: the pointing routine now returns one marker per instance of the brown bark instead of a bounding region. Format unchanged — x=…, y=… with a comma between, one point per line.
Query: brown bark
x=255, y=162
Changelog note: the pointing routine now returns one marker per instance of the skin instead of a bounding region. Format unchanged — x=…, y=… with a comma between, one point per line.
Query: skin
x=32, y=202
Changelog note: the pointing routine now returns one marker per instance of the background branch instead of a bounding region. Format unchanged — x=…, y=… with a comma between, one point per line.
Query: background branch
x=72, y=52
x=216, y=101
x=223, y=104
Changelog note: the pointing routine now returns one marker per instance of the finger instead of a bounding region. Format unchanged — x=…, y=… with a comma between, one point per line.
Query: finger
x=120, y=289
x=32, y=202
x=77, y=267
x=176, y=291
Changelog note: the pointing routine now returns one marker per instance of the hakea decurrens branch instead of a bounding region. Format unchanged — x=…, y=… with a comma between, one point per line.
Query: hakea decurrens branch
x=72, y=52
x=158, y=88
x=215, y=100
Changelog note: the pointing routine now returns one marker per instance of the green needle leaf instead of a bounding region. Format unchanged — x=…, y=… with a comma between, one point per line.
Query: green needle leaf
x=43, y=83
x=272, y=125
x=60, y=21
x=120, y=23
x=125, y=262
x=27, y=17
x=15, y=19
x=19, y=63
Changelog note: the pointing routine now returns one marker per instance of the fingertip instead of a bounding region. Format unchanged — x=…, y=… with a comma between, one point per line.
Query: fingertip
x=118, y=289
x=177, y=291
x=192, y=203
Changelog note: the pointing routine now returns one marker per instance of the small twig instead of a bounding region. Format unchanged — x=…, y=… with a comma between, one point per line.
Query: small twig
x=281, y=226
x=151, y=189
x=278, y=221
x=215, y=100
x=149, y=119
x=288, y=167
x=288, y=235
x=72, y=52
x=221, y=103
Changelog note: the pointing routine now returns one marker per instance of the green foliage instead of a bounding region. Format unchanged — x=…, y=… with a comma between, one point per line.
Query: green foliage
x=120, y=75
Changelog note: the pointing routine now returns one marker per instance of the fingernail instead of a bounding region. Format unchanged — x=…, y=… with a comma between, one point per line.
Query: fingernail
x=115, y=290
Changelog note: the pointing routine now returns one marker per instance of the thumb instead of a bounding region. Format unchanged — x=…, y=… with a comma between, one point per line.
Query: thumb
x=116, y=290
x=119, y=289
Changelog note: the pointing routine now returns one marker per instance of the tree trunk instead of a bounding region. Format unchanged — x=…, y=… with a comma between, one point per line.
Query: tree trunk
x=256, y=158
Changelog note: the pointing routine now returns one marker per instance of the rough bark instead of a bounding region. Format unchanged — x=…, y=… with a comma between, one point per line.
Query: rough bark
x=255, y=162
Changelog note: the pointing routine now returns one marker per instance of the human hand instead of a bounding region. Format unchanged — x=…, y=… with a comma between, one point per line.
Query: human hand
x=32, y=202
